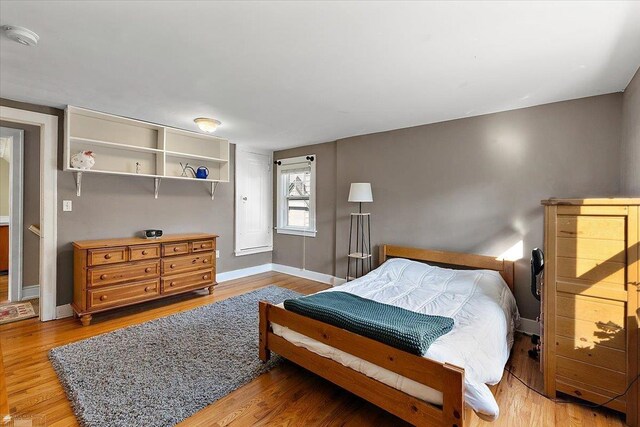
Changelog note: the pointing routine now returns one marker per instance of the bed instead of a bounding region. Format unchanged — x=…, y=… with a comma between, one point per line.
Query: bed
x=474, y=290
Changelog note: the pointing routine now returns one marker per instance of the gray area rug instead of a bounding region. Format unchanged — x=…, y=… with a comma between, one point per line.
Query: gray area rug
x=163, y=371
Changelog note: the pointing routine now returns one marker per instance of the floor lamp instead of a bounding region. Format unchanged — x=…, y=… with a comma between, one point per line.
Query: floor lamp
x=359, y=236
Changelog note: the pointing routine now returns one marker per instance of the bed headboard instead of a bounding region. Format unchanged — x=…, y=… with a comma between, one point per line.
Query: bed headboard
x=470, y=261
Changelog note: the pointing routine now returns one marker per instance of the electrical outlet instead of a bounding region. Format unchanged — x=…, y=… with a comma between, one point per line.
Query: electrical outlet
x=217, y=253
x=67, y=206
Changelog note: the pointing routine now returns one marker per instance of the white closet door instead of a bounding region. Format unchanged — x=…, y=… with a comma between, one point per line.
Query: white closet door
x=254, y=207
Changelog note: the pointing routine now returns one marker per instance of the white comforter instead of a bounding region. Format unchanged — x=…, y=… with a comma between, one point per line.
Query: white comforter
x=484, y=313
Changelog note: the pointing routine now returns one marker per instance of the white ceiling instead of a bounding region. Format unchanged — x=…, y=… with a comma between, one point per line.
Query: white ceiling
x=284, y=74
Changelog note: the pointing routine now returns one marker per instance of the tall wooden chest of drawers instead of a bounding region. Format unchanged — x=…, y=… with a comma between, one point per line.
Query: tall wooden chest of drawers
x=114, y=273
x=591, y=296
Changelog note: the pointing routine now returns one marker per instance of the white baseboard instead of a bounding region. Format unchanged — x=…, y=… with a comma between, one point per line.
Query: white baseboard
x=529, y=326
x=294, y=271
x=30, y=292
x=63, y=311
x=307, y=274
x=243, y=272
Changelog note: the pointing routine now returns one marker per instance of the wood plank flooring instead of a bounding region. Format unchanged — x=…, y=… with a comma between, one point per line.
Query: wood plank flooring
x=4, y=288
x=286, y=396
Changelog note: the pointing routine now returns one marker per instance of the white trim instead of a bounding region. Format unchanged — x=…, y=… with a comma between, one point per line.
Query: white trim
x=16, y=191
x=307, y=274
x=63, y=311
x=30, y=292
x=281, y=208
x=293, y=271
x=48, y=201
x=240, y=173
x=297, y=232
x=243, y=272
x=4, y=220
x=253, y=251
x=529, y=326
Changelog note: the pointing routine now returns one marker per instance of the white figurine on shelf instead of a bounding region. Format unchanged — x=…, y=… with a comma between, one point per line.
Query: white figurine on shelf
x=83, y=160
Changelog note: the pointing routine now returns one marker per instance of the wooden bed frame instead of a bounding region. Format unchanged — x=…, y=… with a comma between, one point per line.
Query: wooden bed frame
x=448, y=379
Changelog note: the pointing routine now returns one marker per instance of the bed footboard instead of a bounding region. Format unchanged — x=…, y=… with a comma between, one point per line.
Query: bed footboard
x=448, y=379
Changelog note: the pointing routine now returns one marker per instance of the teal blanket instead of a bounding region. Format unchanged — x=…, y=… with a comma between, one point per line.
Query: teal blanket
x=403, y=329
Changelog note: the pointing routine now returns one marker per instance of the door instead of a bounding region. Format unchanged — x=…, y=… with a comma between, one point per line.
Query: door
x=11, y=213
x=254, y=195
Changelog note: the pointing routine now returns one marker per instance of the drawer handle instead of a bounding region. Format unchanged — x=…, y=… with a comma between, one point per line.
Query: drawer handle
x=103, y=277
x=172, y=266
x=202, y=246
x=144, y=252
x=148, y=288
x=205, y=277
x=107, y=256
x=176, y=249
x=103, y=298
x=205, y=260
x=193, y=261
x=172, y=284
x=147, y=270
x=577, y=392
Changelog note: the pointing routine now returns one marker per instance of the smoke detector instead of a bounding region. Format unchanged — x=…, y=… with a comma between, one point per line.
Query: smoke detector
x=21, y=35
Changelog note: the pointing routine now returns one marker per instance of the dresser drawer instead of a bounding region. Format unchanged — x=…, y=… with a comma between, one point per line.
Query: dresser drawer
x=591, y=333
x=144, y=252
x=180, y=282
x=170, y=249
x=595, y=354
x=606, y=313
x=102, y=276
x=187, y=263
x=123, y=294
x=590, y=393
x=202, y=246
x=106, y=256
x=573, y=370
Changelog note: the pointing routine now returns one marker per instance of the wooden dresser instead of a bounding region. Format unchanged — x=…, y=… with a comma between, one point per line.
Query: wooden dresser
x=591, y=296
x=114, y=273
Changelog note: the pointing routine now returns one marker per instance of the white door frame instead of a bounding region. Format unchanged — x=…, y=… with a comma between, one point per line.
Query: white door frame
x=239, y=176
x=48, y=201
x=16, y=190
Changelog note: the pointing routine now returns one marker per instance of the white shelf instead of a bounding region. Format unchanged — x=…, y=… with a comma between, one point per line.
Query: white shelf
x=115, y=145
x=195, y=157
x=144, y=175
x=152, y=148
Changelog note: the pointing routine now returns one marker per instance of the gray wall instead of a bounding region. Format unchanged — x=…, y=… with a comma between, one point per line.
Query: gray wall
x=470, y=185
x=630, y=180
x=113, y=206
x=30, y=202
x=320, y=250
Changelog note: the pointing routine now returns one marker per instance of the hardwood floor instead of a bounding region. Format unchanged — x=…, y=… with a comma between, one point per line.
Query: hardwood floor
x=286, y=396
x=4, y=288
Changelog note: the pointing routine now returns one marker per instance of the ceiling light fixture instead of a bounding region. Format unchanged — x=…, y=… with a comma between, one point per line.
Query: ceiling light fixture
x=207, y=125
x=21, y=35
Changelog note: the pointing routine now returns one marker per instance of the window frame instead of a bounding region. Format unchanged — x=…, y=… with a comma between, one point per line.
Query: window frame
x=282, y=206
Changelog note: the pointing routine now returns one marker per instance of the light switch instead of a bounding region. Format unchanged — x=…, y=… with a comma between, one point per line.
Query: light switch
x=67, y=206
x=217, y=253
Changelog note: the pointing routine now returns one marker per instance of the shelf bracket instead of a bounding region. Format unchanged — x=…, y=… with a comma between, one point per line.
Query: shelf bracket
x=214, y=187
x=156, y=186
x=78, y=183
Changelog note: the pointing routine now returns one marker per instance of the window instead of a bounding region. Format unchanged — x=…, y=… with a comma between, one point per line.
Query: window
x=296, y=196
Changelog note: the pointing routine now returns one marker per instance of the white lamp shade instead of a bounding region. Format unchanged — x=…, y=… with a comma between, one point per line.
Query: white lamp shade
x=360, y=192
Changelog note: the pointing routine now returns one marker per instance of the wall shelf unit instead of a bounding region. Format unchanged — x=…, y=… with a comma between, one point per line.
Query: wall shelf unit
x=129, y=147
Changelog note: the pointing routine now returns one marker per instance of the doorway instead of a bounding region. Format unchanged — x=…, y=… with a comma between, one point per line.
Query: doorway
x=254, y=207
x=19, y=221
